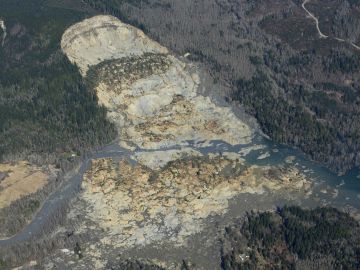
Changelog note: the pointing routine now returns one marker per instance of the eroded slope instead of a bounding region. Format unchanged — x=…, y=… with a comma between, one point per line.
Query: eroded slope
x=150, y=96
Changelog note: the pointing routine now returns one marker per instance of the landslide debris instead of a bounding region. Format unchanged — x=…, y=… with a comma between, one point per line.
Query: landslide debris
x=170, y=185
x=138, y=205
x=150, y=95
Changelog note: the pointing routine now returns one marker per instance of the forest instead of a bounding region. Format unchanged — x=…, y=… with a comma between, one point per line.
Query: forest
x=46, y=107
x=294, y=238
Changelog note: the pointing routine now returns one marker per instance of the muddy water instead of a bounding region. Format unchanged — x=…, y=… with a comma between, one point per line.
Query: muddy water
x=203, y=248
x=329, y=188
x=60, y=198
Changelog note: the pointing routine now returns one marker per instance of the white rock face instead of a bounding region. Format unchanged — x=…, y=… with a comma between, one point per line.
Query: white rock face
x=104, y=37
x=3, y=27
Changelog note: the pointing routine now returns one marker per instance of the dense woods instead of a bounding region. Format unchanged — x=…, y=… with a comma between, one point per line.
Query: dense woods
x=292, y=126
x=338, y=18
x=294, y=238
x=45, y=105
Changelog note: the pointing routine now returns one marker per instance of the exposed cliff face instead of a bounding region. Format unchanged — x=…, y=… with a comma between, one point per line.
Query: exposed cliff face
x=104, y=37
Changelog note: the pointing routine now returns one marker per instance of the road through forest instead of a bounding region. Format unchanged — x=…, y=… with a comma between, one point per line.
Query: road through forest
x=321, y=34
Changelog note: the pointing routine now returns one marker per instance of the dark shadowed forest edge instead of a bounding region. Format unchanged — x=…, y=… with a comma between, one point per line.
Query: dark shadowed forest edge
x=290, y=238
x=303, y=89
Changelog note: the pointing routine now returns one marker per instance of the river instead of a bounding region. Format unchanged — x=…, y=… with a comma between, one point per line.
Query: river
x=329, y=188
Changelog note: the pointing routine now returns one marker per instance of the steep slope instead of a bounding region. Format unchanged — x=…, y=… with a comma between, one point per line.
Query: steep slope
x=102, y=38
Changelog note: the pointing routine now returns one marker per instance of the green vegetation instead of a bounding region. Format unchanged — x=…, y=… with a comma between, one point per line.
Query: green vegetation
x=112, y=7
x=2, y=265
x=45, y=106
x=32, y=207
x=321, y=119
x=343, y=63
x=77, y=250
x=294, y=238
x=339, y=18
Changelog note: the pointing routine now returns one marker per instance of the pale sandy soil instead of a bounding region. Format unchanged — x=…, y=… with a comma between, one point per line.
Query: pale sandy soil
x=100, y=38
x=139, y=206
x=155, y=102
